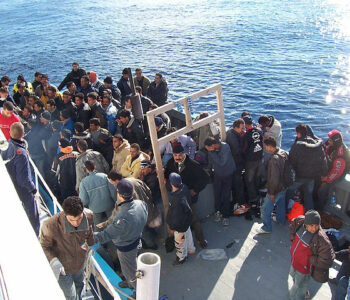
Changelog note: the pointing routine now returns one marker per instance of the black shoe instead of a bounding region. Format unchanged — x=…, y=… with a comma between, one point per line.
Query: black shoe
x=123, y=284
x=178, y=262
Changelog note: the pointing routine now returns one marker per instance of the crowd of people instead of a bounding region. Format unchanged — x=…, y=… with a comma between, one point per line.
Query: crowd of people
x=96, y=156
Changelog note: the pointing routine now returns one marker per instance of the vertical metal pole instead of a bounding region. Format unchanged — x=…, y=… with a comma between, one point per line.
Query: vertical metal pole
x=220, y=104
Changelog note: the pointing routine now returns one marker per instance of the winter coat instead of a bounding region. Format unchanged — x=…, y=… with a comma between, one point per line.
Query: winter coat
x=35, y=137
x=192, y=175
x=145, y=103
x=124, y=87
x=143, y=83
x=106, y=149
x=274, y=129
x=99, y=161
x=337, y=164
x=51, y=146
x=86, y=91
x=69, y=107
x=152, y=182
x=343, y=256
x=98, y=112
x=322, y=253
x=84, y=114
x=74, y=76
x=60, y=239
x=275, y=172
x=252, y=144
x=308, y=158
x=97, y=193
x=158, y=94
x=115, y=92
x=110, y=115
x=235, y=141
x=127, y=226
x=133, y=132
x=179, y=217
x=221, y=161
x=120, y=155
x=131, y=168
x=186, y=142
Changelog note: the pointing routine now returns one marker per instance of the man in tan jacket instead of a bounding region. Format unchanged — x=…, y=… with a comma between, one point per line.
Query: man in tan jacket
x=131, y=166
x=121, y=151
x=65, y=238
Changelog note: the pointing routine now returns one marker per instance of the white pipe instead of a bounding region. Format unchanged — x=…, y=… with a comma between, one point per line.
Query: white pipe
x=147, y=287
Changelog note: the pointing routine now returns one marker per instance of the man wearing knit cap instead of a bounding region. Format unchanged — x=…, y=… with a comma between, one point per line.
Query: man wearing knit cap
x=312, y=253
x=125, y=231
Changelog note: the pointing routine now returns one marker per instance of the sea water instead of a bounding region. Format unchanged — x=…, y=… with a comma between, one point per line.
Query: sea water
x=290, y=58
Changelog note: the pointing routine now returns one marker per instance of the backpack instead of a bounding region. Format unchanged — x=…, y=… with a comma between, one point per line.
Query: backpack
x=288, y=173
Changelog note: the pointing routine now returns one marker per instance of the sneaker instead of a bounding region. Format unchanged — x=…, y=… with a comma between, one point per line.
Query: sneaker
x=307, y=295
x=218, y=217
x=274, y=218
x=225, y=222
x=262, y=231
x=178, y=262
x=241, y=209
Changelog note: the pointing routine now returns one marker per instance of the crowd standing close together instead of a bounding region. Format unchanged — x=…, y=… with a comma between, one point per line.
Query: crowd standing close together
x=95, y=154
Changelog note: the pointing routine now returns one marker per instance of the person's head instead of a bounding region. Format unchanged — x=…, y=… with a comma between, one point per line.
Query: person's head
x=125, y=190
x=20, y=79
x=178, y=153
x=67, y=97
x=51, y=105
x=335, y=138
x=270, y=144
x=153, y=106
x=92, y=98
x=92, y=76
x=7, y=109
x=45, y=117
x=158, y=121
x=73, y=209
x=248, y=121
x=146, y=167
x=106, y=100
x=128, y=104
x=82, y=146
x=175, y=181
x=65, y=134
x=301, y=131
x=84, y=81
x=64, y=143
x=114, y=177
x=79, y=99
x=56, y=125
x=125, y=73
x=51, y=92
x=38, y=105
x=312, y=221
x=37, y=76
x=138, y=90
x=138, y=73
x=238, y=126
x=71, y=87
x=75, y=66
x=117, y=140
x=16, y=130
x=124, y=116
x=89, y=166
x=4, y=92
x=27, y=111
x=135, y=150
x=210, y=143
x=78, y=127
x=264, y=121
x=5, y=80
x=44, y=79
x=21, y=88
x=94, y=124
x=104, y=137
x=245, y=113
x=32, y=99
x=158, y=78
x=107, y=82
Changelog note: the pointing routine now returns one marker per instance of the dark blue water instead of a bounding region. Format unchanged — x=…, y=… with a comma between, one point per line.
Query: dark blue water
x=286, y=58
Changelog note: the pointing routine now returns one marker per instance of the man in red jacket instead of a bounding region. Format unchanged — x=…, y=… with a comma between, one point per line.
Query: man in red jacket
x=311, y=252
x=7, y=117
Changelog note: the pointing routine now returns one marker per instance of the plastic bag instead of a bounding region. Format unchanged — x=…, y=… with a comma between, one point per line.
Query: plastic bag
x=213, y=254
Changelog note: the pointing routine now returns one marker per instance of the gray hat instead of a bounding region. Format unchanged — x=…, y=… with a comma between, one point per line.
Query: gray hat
x=125, y=188
x=46, y=115
x=312, y=217
x=175, y=179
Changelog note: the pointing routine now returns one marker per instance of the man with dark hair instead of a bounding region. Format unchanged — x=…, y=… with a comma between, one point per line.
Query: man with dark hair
x=145, y=102
x=68, y=105
x=95, y=130
x=150, y=177
x=85, y=155
x=7, y=118
x=42, y=90
x=158, y=90
x=80, y=134
x=65, y=238
x=252, y=153
x=83, y=110
x=72, y=89
x=125, y=231
x=271, y=127
x=51, y=107
x=97, y=193
x=234, y=138
x=18, y=167
x=223, y=165
x=110, y=113
x=85, y=87
x=5, y=96
x=276, y=187
x=37, y=80
x=38, y=108
x=5, y=81
x=308, y=160
x=108, y=84
x=131, y=165
x=121, y=149
x=21, y=95
x=141, y=81
x=96, y=109
x=124, y=85
x=131, y=128
x=67, y=121
x=75, y=75
x=194, y=177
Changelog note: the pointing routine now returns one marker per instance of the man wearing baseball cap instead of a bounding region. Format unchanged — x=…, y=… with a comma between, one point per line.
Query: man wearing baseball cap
x=311, y=252
x=125, y=231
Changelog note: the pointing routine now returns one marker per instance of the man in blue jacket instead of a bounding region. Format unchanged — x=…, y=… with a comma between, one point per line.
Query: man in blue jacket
x=221, y=161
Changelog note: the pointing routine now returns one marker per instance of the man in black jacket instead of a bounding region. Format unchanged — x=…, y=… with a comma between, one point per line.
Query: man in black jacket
x=74, y=76
x=194, y=177
x=68, y=106
x=83, y=110
x=158, y=90
x=342, y=279
x=124, y=85
x=85, y=87
x=96, y=109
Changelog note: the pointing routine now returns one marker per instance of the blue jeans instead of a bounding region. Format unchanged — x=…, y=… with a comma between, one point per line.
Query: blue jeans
x=307, y=186
x=300, y=284
x=340, y=292
x=267, y=208
x=72, y=284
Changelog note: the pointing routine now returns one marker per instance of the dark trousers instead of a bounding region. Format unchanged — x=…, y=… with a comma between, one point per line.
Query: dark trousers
x=237, y=188
x=65, y=193
x=222, y=191
x=252, y=178
x=196, y=225
x=31, y=208
x=324, y=194
x=307, y=186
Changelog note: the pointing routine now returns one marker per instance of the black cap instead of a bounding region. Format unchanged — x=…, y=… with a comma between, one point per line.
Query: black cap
x=108, y=80
x=248, y=119
x=125, y=188
x=63, y=143
x=178, y=149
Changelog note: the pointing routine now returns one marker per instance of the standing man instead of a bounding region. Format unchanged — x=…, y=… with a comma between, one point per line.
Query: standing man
x=195, y=178
x=276, y=189
x=312, y=253
x=74, y=76
x=271, y=127
x=158, y=90
x=18, y=167
x=97, y=193
x=121, y=150
x=7, y=117
x=142, y=81
x=223, y=165
x=125, y=231
x=65, y=238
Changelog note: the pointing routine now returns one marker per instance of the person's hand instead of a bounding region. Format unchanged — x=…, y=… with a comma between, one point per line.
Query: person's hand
x=193, y=192
x=57, y=267
x=101, y=225
x=119, y=122
x=272, y=197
